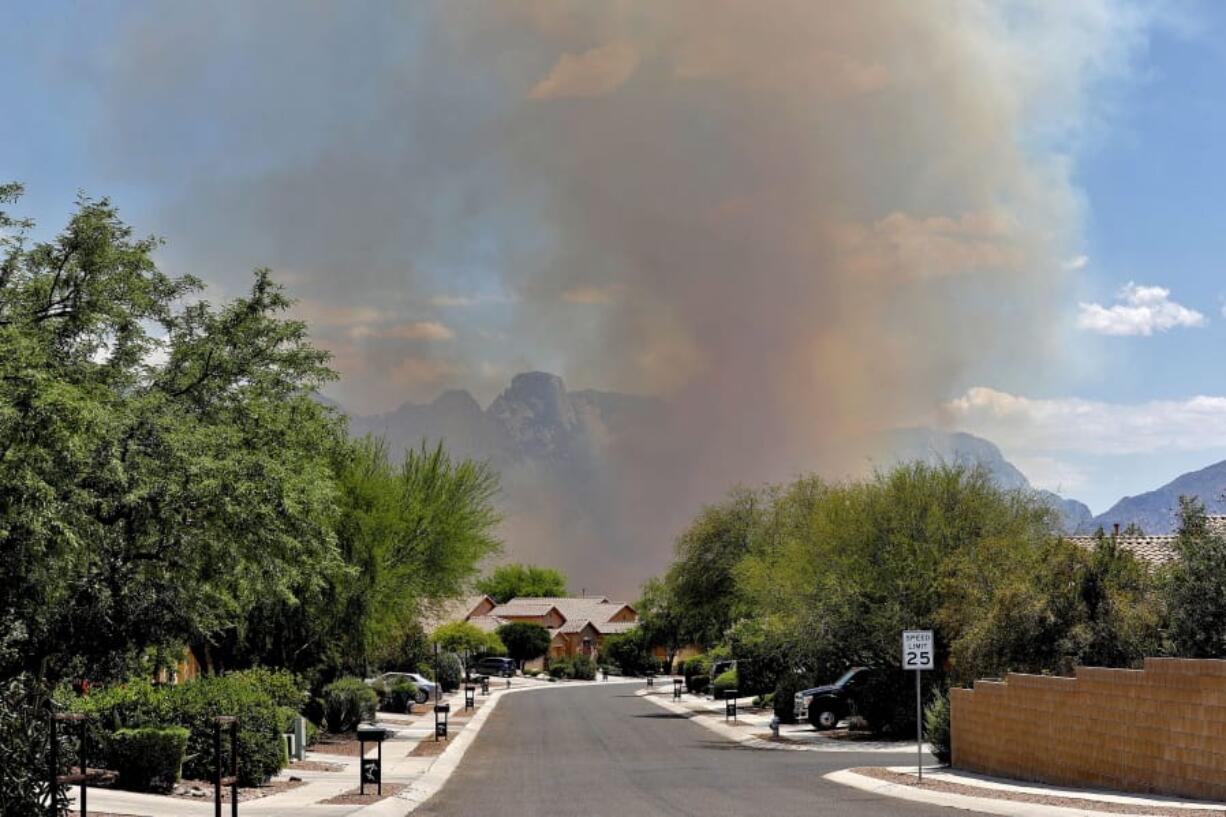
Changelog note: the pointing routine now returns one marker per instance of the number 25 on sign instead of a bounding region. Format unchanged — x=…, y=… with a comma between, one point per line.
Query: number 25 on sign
x=917, y=652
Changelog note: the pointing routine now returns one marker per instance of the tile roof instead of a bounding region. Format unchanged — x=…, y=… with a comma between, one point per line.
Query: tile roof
x=1155, y=550
x=523, y=607
x=611, y=627
x=598, y=609
x=487, y=623
x=451, y=610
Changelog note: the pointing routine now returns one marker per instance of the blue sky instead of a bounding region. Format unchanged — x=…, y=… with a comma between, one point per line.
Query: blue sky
x=218, y=131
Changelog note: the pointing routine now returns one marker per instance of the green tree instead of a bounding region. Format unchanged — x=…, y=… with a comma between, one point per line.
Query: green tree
x=468, y=640
x=524, y=640
x=630, y=651
x=661, y=619
x=517, y=580
x=162, y=464
x=1195, y=586
x=702, y=580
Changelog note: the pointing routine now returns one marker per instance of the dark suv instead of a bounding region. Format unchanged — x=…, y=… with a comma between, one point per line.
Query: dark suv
x=502, y=667
x=825, y=706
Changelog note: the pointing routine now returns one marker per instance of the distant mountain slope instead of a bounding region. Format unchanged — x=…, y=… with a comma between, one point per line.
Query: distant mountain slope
x=960, y=448
x=1155, y=511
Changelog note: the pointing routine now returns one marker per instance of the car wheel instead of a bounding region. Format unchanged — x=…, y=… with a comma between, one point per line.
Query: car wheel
x=422, y=696
x=824, y=718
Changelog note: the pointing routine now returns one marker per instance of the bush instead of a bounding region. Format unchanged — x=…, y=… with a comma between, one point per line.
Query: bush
x=583, y=668
x=23, y=749
x=450, y=672
x=936, y=725
x=148, y=759
x=560, y=668
x=725, y=682
x=194, y=706
x=630, y=652
x=697, y=672
x=887, y=702
x=347, y=702
x=425, y=671
x=401, y=696
x=785, y=697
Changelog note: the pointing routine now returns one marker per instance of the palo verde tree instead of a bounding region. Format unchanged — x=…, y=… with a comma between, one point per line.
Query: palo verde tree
x=468, y=640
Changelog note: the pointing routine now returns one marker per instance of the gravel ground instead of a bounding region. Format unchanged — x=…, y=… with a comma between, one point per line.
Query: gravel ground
x=429, y=747
x=352, y=798
x=1041, y=799
x=184, y=788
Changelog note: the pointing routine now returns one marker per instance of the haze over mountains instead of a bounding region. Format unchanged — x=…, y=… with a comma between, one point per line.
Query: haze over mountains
x=570, y=501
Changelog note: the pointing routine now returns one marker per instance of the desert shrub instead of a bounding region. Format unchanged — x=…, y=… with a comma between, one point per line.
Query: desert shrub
x=347, y=702
x=401, y=696
x=936, y=725
x=583, y=668
x=148, y=759
x=561, y=668
x=450, y=672
x=725, y=682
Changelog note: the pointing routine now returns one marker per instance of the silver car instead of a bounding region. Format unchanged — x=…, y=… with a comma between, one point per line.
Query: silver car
x=425, y=687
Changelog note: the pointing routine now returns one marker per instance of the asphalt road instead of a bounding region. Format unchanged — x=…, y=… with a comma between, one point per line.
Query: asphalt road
x=601, y=751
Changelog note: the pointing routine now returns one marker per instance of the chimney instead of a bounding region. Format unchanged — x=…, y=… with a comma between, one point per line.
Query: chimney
x=1117, y=530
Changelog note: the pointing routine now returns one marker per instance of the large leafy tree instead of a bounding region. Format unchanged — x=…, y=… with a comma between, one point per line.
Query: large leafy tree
x=514, y=580
x=524, y=640
x=162, y=464
x=1195, y=586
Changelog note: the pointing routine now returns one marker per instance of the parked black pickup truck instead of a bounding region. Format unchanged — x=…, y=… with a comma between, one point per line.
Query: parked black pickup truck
x=825, y=706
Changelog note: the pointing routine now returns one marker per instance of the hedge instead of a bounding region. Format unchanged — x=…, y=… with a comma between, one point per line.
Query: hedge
x=252, y=696
x=725, y=682
x=148, y=759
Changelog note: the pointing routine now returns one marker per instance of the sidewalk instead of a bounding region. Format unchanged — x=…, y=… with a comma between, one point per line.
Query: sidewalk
x=753, y=728
x=990, y=795
x=408, y=776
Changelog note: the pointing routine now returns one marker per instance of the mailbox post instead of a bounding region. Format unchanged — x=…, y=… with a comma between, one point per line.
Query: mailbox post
x=485, y=685
x=232, y=781
x=440, y=721
x=470, y=697
x=651, y=679
x=730, y=704
x=676, y=689
x=370, y=768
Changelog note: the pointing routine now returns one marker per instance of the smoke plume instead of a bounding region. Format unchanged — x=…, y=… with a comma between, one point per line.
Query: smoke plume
x=799, y=223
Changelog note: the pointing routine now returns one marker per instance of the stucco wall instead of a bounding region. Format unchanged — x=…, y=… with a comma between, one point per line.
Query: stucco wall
x=1161, y=729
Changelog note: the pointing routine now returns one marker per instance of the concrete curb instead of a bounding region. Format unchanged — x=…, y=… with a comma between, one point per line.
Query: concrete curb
x=963, y=802
x=716, y=724
x=435, y=777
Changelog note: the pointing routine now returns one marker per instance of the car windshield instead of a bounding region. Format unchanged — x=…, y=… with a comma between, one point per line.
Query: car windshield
x=847, y=676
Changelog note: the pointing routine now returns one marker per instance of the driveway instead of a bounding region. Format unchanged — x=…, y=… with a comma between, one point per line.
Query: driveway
x=601, y=751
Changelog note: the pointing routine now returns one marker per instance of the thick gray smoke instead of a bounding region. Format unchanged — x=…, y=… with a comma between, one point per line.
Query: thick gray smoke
x=799, y=222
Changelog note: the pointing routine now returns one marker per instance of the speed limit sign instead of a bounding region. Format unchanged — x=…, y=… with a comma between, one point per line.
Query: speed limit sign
x=917, y=649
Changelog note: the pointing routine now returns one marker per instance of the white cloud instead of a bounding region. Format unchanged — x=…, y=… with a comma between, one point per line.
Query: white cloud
x=1072, y=424
x=471, y=300
x=1143, y=310
x=1077, y=262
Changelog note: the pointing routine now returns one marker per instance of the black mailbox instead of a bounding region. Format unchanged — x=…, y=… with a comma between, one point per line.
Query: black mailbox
x=370, y=768
x=676, y=689
x=485, y=685
x=440, y=721
x=470, y=697
x=651, y=679
x=730, y=704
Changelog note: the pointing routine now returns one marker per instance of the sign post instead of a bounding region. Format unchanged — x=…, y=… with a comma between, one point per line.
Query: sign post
x=917, y=654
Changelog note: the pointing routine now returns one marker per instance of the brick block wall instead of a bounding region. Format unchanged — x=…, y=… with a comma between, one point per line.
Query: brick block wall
x=1161, y=729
